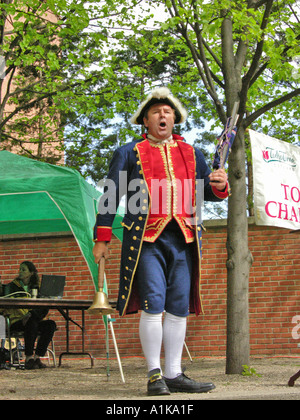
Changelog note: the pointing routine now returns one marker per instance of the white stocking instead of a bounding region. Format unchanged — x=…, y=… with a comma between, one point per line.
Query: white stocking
x=174, y=330
x=151, y=338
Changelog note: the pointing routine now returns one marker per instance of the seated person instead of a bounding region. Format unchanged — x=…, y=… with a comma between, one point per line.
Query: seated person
x=30, y=322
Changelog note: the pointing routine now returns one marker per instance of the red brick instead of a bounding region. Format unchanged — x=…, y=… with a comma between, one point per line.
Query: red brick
x=273, y=292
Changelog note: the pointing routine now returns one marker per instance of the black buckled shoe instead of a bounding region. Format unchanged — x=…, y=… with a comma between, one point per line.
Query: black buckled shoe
x=184, y=384
x=156, y=384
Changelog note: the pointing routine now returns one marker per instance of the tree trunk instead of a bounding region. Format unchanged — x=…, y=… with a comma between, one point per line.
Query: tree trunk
x=239, y=262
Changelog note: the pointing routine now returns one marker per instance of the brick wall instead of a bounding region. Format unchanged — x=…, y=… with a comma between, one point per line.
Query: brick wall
x=274, y=291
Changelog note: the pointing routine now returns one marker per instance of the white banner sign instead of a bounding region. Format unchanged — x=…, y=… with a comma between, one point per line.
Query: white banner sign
x=276, y=173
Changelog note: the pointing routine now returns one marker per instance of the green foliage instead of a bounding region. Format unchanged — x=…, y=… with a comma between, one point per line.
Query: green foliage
x=248, y=371
x=77, y=79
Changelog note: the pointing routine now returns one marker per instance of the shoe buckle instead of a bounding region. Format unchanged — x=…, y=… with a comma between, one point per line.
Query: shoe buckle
x=155, y=377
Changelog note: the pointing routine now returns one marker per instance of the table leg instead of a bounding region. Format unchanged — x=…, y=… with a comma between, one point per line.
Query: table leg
x=82, y=327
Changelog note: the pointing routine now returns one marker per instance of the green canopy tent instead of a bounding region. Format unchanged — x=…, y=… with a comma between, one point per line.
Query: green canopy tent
x=37, y=197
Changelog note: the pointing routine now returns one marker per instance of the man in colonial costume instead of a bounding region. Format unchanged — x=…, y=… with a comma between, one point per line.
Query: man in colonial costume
x=161, y=250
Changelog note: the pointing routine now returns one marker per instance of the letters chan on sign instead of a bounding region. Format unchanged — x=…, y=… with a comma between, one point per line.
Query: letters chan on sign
x=284, y=210
x=276, y=174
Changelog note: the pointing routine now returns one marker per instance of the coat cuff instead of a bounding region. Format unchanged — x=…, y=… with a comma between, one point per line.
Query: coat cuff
x=102, y=234
x=221, y=194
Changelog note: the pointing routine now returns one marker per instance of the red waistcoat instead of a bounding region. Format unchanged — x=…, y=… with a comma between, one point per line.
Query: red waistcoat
x=169, y=170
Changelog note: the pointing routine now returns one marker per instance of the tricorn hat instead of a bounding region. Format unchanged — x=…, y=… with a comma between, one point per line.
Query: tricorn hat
x=160, y=95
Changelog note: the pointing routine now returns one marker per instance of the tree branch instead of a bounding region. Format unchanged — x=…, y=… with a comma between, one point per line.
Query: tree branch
x=251, y=118
x=41, y=98
x=232, y=81
x=259, y=49
x=199, y=60
x=7, y=94
x=202, y=55
x=217, y=61
x=259, y=73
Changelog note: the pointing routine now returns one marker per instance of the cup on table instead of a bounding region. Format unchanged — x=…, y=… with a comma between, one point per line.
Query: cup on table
x=34, y=293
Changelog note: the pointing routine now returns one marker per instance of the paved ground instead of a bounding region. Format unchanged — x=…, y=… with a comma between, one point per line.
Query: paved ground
x=75, y=380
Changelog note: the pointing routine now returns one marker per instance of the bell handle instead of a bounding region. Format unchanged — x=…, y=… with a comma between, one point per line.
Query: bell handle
x=101, y=270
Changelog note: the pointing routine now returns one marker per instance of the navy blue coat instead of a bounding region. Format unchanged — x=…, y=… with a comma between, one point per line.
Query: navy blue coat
x=126, y=160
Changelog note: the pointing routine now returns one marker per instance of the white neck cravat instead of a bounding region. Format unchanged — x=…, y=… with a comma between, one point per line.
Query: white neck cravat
x=159, y=141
